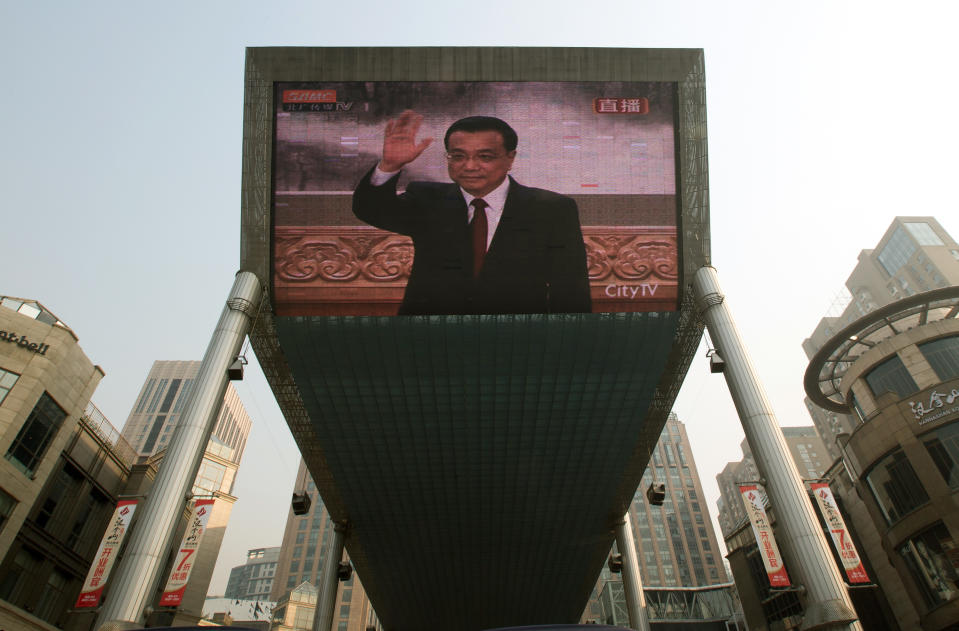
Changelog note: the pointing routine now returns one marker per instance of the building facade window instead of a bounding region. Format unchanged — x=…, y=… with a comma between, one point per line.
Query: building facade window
x=84, y=535
x=670, y=460
x=895, y=486
x=52, y=596
x=927, y=556
x=896, y=252
x=7, y=379
x=34, y=437
x=923, y=233
x=942, y=355
x=209, y=480
x=156, y=396
x=154, y=433
x=22, y=572
x=943, y=447
x=776, y=606
x=67, y=483
x=856, y=407
x=184, y=394
x=7, y=504
x=303, y=618
x=145, y=396
x=891, y=376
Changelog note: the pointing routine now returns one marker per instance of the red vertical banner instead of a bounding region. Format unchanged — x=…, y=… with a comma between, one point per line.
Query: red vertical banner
x=186, y=557
x=851, y=562
x=764, y=536
x=106, y=554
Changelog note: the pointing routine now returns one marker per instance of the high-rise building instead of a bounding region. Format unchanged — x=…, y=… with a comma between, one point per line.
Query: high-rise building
x=915, y=254
x=879, y=362
x=675, y=542
x=676, y=545
x=149, y=428
x=887, y=370
x=306, y=541
x=762, y=606
x=254, y=579
x=157, y=409
x=808, y=452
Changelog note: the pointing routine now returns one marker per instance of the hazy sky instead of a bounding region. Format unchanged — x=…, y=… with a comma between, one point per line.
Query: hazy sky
x=120, y=139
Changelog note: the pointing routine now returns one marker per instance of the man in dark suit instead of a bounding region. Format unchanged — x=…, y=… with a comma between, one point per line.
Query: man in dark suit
x=485, y=244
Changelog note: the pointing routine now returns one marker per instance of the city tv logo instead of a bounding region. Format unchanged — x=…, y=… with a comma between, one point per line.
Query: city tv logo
x=313, y=101
x=621, y=105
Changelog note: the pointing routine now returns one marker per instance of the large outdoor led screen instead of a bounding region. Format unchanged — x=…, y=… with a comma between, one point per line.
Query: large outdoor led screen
x=586, y=223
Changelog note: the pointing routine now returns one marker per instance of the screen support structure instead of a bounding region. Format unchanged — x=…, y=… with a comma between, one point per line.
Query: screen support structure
x=326, y=599
x=827, y=602
x=138, y=571
x=632, y=581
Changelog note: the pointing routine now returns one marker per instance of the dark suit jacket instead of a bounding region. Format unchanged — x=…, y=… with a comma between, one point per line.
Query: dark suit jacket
x=536, y=262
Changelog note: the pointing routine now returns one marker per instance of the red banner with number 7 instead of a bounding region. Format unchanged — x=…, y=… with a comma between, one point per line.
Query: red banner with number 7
x=186, y=557
x=851, y=562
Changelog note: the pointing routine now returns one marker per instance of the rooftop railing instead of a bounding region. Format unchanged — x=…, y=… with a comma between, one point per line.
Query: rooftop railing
x=97, y=423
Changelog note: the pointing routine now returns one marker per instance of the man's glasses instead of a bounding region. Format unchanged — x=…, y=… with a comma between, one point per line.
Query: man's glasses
x=458, y=157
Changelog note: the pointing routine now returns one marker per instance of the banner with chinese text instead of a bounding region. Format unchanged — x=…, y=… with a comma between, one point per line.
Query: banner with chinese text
x=851, y=562
x=106, y=554
x=186, y=557
x=764, y=536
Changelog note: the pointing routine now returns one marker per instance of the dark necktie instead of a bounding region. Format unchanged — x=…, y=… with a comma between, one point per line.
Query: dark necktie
x=478, y=232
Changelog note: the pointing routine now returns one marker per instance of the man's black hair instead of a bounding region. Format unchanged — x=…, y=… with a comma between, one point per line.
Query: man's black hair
x=474, y=124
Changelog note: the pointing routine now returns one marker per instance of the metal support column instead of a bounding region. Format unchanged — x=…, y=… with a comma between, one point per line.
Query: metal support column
x=827, y=601
x=134, y=583
x=326, y=598
x=632, y=581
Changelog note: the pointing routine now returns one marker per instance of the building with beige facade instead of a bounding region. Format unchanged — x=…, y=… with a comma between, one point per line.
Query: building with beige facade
x=157, y=409
x=149, y=428
x=64, y=467
x=296, y=609
x=675, y=542
x=880, y=386
x=306, y=541
x=680, y=561
x=808, y=452
x=915, y=254
x=895, y=371
x=254, y=579
x=763, y=608
x=887, y=341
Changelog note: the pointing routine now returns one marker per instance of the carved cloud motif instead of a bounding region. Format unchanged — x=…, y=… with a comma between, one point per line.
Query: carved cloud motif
x=344, y=254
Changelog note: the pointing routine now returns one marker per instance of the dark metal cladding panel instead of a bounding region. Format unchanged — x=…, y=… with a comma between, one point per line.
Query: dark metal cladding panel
x=478, y=457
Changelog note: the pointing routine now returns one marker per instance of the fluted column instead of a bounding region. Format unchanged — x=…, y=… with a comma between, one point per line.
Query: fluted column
x=827, y=601
x=326, y=598
x=632, y=581
x=133, y=585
